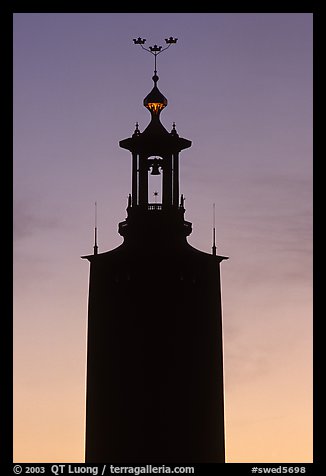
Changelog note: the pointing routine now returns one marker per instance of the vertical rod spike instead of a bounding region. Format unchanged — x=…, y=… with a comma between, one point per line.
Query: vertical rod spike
x=95, y=231
x=214, y=237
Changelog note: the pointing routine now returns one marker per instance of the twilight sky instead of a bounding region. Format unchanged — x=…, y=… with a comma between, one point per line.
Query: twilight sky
x=239, y=85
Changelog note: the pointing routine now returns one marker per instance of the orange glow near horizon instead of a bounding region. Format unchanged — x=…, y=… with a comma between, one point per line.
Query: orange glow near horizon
x=240, y=88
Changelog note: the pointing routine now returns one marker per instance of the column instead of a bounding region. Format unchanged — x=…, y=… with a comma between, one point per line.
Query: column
x=143, y=180
x=167, y=181
x=176, y=179
x=134, y=191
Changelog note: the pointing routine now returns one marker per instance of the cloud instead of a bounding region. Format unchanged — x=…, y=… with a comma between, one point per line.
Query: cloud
x=27, y=220
x=275, y=210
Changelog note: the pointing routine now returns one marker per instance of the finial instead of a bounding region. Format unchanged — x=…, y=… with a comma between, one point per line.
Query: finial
x=174, y=132
x=214, y=244
x=137, y=131
x=95, y=231
x=155, y=50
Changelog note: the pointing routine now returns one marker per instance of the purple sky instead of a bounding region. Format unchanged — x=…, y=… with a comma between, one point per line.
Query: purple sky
x=239, y=86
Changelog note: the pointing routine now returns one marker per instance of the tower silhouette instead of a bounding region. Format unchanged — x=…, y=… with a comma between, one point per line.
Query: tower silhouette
x=155, y=357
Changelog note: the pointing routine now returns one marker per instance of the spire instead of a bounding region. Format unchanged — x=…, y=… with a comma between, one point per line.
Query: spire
x=155, y=151
x=155, y=101
x=214, y=244
x=95, y=232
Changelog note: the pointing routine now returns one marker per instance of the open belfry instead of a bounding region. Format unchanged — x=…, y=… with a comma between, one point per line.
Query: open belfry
x=154, y=350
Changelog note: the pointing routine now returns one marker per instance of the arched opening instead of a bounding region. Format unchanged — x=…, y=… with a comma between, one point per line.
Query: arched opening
x=155, y=176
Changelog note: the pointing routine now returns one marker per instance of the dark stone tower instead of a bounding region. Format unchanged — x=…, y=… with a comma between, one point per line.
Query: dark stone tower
x=154, y=362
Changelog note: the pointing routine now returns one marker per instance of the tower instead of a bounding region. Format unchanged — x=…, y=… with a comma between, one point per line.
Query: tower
x=155, y=357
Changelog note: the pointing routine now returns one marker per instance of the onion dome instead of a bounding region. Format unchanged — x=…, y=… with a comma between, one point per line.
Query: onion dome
x=155, y=101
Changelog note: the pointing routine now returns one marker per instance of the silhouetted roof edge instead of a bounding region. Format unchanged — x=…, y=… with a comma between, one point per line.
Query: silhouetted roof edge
x=92, y=256
x=218, y=257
